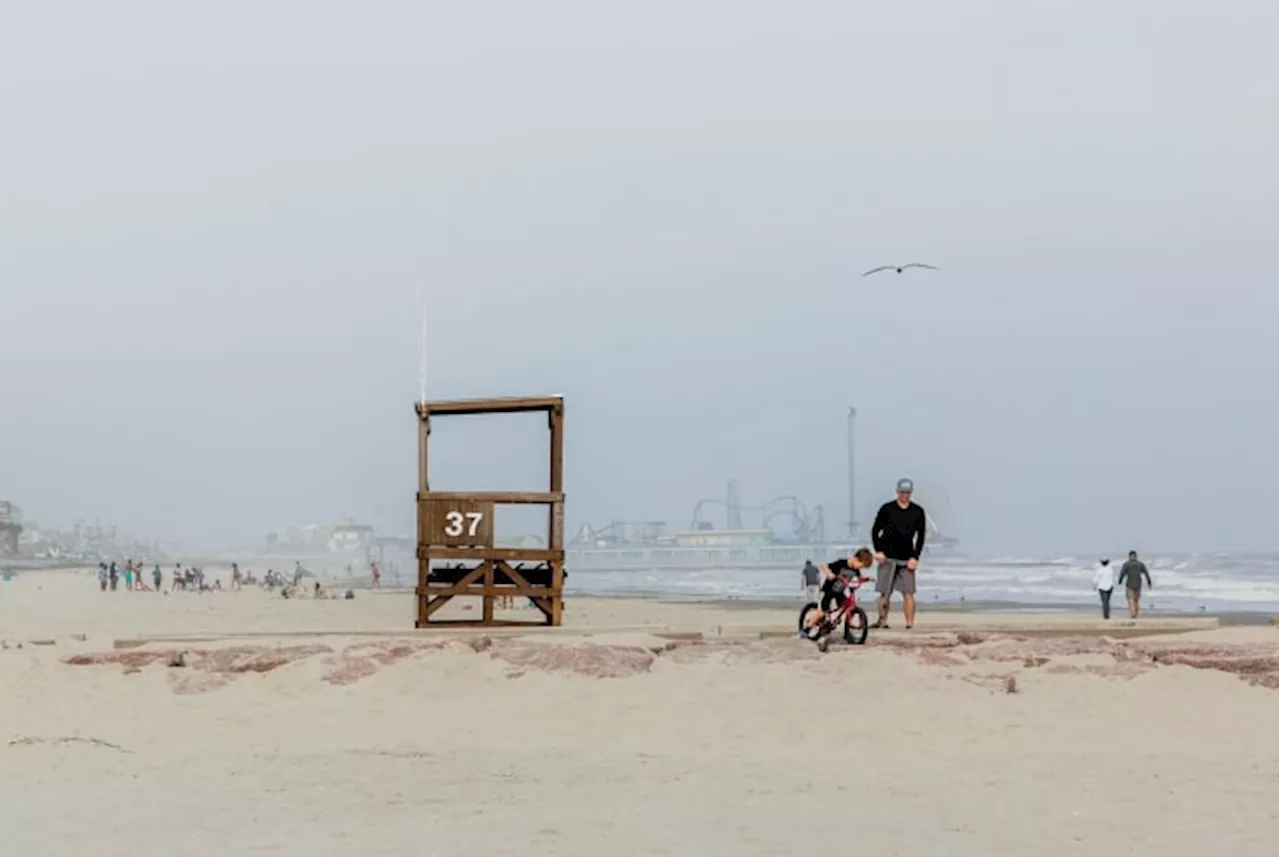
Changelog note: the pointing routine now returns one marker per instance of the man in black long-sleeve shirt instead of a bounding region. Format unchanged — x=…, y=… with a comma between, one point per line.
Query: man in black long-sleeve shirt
x=898, y=537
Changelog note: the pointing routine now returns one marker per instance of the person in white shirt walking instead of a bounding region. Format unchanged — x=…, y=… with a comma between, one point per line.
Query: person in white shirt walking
x=1104, y=581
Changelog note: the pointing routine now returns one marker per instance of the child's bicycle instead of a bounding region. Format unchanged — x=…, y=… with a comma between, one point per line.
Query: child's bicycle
x=847, y=612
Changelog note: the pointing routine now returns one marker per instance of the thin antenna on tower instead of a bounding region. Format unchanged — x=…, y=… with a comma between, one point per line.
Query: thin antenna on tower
x=422, y=349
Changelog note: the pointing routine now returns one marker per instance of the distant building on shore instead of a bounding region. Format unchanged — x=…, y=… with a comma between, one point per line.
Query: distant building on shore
x=10, y=527
x=348, y=535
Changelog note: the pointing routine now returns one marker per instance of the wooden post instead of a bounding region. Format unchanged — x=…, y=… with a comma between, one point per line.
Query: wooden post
x=488, y=592
x=424, y=485
x=555, y=536
x=555, y=422
x=424, y=435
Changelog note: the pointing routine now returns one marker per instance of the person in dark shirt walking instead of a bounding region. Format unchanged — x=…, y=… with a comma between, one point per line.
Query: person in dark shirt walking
x=1131, y=574
x=809, y=580
x=898, y=537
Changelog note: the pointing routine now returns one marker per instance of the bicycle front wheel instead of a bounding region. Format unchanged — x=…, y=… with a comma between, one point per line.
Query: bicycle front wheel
x=856, y=627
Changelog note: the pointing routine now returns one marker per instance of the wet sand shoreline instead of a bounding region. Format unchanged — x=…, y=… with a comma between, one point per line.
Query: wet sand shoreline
x=1227, y=618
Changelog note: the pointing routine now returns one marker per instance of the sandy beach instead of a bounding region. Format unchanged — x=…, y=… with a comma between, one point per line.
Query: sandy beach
x=237, y=723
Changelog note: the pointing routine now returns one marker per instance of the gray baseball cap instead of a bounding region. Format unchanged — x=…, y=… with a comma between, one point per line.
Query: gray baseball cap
x=905, y=485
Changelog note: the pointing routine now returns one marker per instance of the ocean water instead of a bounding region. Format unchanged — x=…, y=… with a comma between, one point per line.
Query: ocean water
x=1182, y=582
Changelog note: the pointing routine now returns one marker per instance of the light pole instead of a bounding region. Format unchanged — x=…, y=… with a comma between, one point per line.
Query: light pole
x=853, y=514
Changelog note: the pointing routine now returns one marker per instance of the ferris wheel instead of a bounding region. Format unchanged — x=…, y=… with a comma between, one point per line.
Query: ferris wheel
x=937, y=507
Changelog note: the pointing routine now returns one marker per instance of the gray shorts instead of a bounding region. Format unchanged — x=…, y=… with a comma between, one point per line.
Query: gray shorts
x=903, y=582
x=812, y=591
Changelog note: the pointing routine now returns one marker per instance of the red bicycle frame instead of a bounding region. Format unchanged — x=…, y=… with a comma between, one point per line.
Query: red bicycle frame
x=847, y=603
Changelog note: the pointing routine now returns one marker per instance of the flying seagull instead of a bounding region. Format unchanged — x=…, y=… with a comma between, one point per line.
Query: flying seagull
x=900, y=268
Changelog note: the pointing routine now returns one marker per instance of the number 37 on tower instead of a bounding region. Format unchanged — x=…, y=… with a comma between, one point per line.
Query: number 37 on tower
x=458, y=523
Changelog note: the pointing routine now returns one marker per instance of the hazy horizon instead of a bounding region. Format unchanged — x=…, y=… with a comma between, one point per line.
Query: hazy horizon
x=215, y=223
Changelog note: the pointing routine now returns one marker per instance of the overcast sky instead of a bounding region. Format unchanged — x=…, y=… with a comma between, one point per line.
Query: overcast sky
x=215, y=220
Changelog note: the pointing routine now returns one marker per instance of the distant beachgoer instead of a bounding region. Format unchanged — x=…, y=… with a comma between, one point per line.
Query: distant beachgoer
x=1104, y=581
x=113, y=576
x=377, y=575
x=297, y=574
x=157, y=577
x=898, y=536
x=235, y=576
x=102, y=576
x=1131, y=574
x=128, y=575
x=809, y=581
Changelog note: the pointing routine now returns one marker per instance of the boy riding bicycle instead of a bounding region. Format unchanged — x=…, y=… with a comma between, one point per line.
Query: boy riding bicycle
x=833, y=585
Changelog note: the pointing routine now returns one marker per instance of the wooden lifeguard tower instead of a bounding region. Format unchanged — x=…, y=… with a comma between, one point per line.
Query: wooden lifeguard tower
x=455, y=529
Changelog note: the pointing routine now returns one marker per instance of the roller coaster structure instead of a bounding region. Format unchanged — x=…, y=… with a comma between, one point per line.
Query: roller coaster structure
x=807, y=526
x=802, y=524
